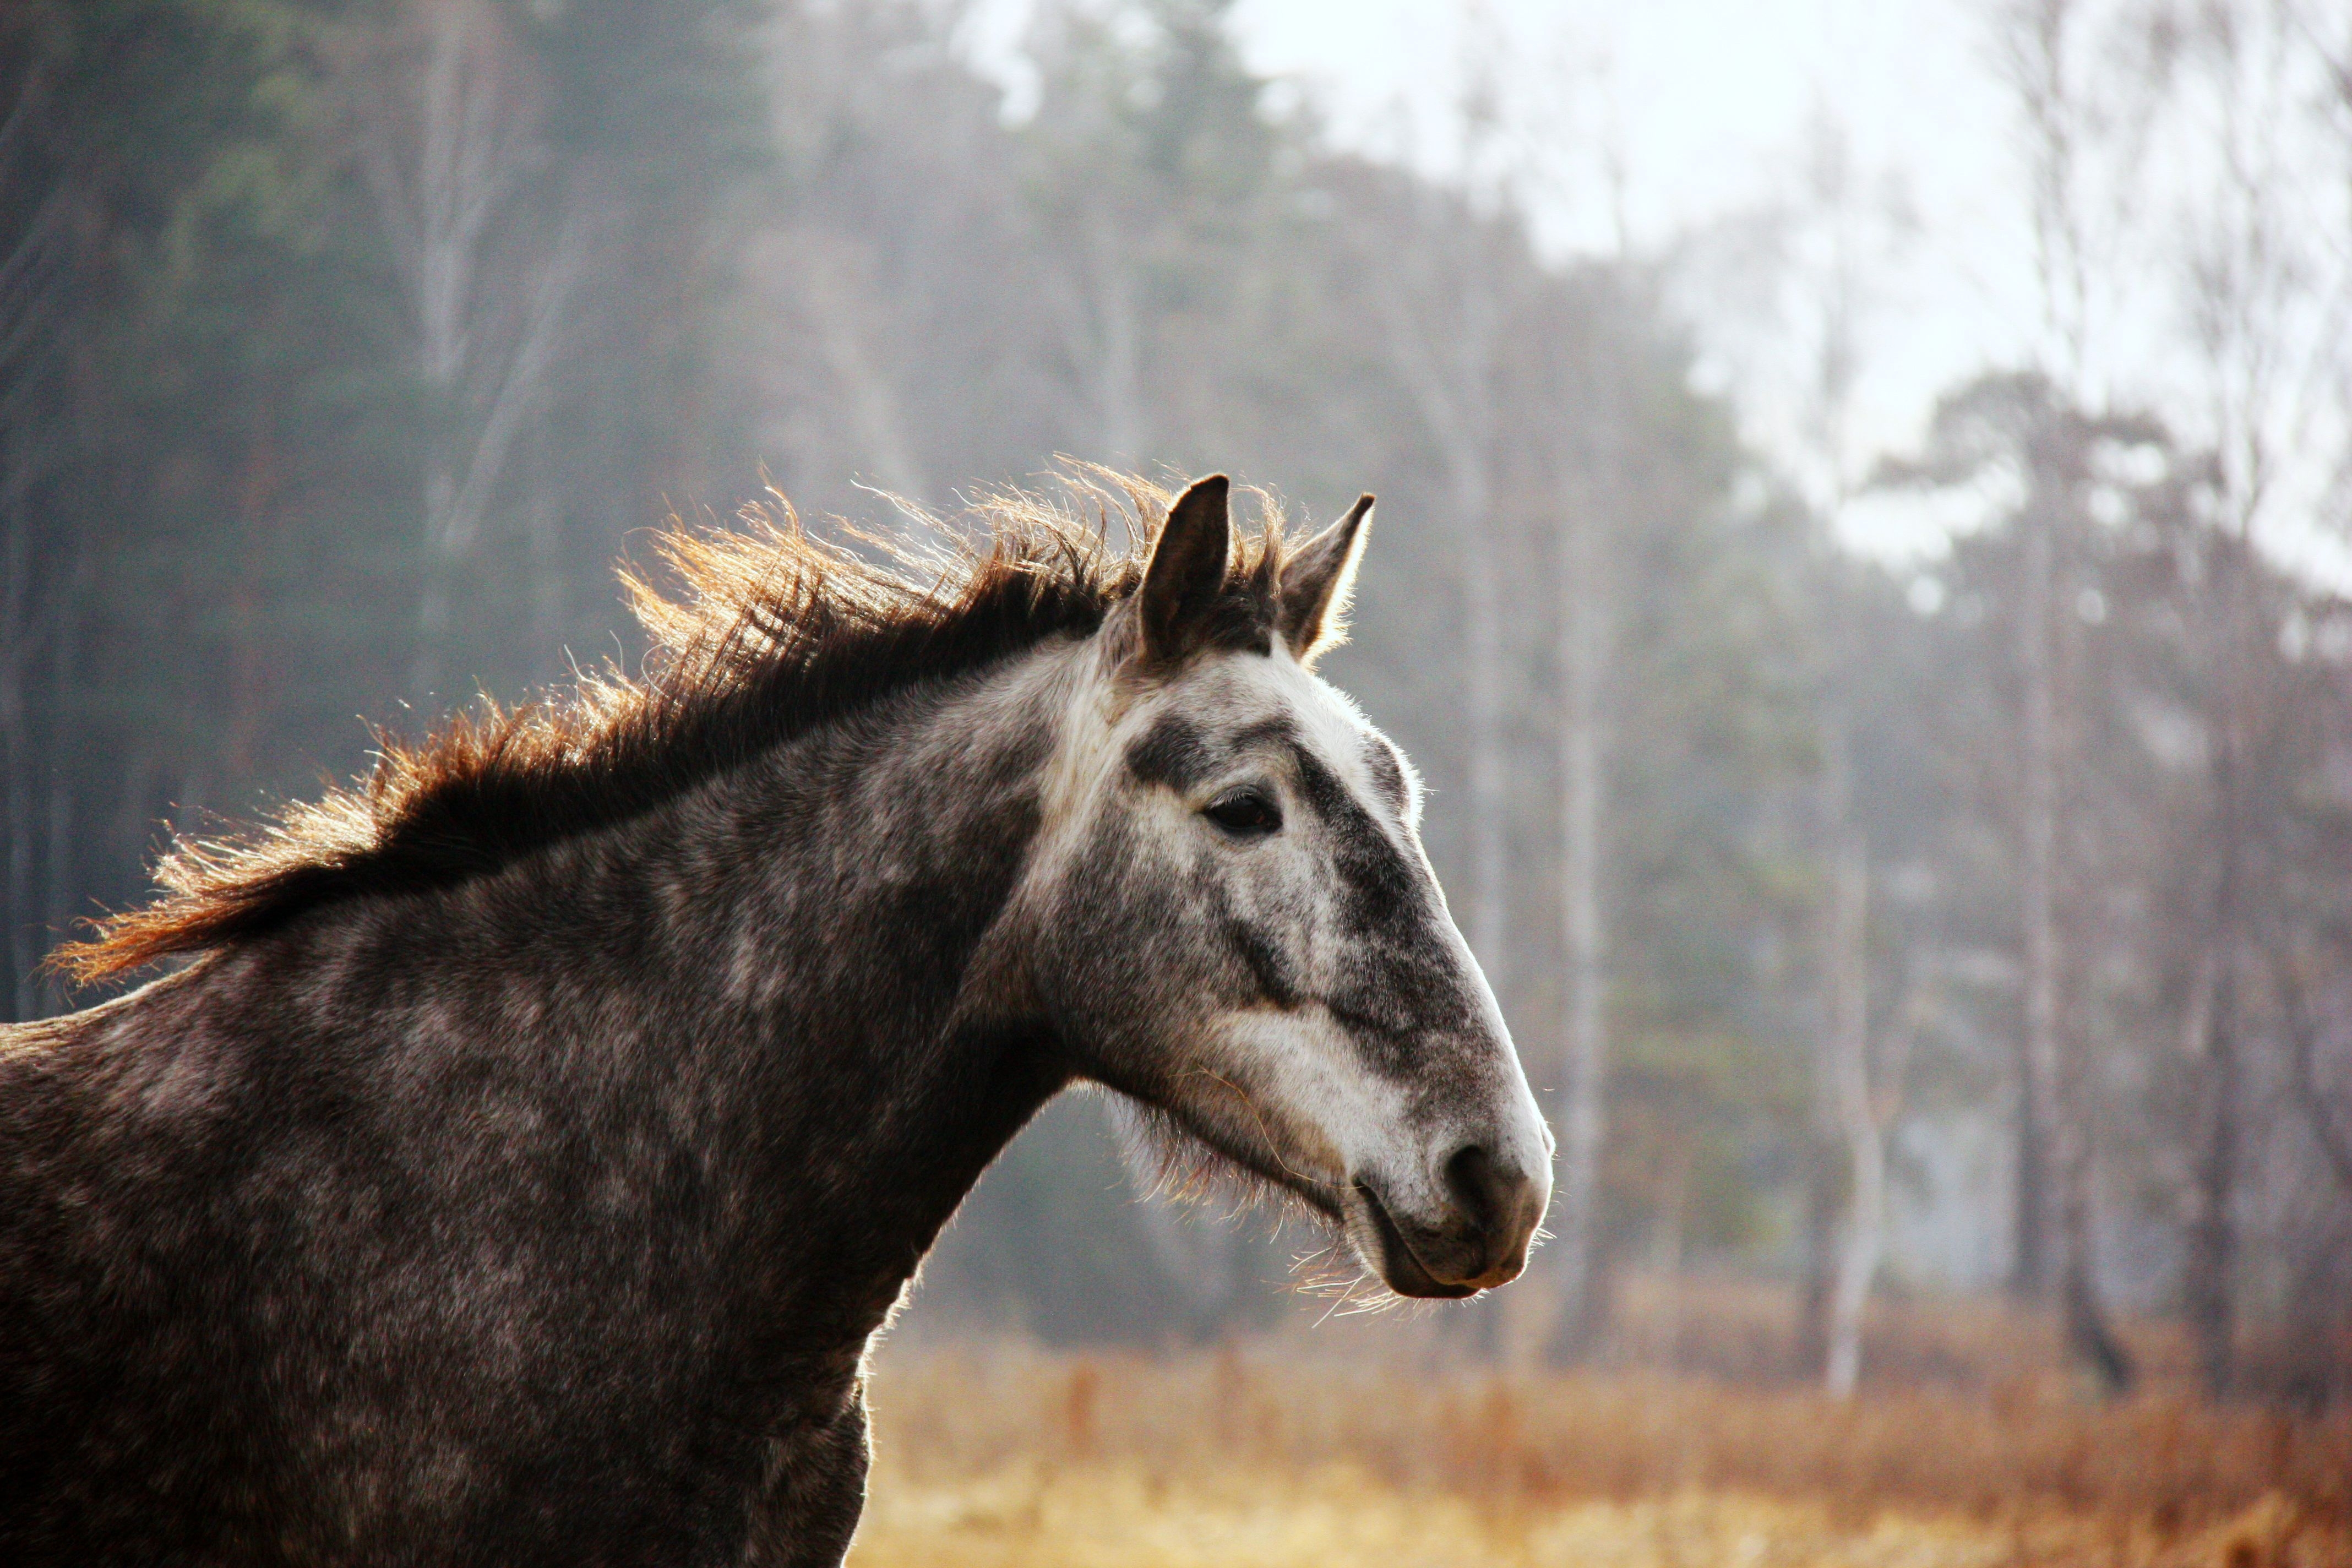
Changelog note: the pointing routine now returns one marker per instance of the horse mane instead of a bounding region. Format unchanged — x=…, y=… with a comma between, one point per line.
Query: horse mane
x=771, y=633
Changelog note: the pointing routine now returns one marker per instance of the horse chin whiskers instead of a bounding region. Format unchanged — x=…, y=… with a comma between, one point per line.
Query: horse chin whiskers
x=1187, y=1166
x=1335, y=1274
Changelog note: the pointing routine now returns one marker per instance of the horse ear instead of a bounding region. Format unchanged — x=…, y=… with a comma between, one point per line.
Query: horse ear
x=1187, y=574
x=1317, y=581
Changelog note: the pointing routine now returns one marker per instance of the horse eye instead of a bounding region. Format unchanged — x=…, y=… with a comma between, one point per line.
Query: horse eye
x=1244, y=812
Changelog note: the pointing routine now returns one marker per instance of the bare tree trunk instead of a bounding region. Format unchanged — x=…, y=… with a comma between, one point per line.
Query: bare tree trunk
x=62, y=635
x=2211, y=1235
x=1483, y=662
x=2072, y=1146
x=459, y=486
x=2029, y=1177
x=434, y=594
x=1469, y=454
x=81, y=441
x=446, y=142
x=2088, y=1336
x=2211, y=1230
x=1100, y=322
x=1841, y=998
x=250, y=664
x=1117, y=360
x=1463, y=414
x=64, y=614
x=20, y=636
x=1820, y=1262
x=2035, y=41
x=1674, y=1208
x=2037, y=916
x=1858, y=1098
x=1847, y=962
x=1585, y=639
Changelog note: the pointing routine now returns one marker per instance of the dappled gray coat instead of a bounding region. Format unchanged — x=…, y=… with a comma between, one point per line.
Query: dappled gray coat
x=522, y=1165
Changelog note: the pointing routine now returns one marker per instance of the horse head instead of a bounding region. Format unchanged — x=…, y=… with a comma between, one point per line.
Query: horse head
x=1231, y=922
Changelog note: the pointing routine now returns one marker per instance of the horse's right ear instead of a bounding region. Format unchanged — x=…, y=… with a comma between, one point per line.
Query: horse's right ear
x=1187, y=574
x=1318, y=581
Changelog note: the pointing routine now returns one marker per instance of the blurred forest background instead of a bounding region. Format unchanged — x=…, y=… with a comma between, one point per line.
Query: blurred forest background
x=1884, y=939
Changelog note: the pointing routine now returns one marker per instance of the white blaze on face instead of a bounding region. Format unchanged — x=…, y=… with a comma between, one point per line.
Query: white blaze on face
x=1301, y=1078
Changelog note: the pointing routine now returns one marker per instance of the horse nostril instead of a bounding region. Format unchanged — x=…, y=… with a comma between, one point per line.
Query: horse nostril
x=1476, y=1185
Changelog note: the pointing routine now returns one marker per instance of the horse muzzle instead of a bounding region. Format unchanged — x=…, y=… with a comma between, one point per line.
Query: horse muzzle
x=1472, y=1237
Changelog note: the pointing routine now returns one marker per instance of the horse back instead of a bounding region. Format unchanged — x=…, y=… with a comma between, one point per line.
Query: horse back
x=288, y=1274
x=118, y=1324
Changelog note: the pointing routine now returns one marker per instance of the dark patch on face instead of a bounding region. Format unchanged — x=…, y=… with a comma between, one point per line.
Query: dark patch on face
x=1177, y=752
x=1377, y=884
x=1173, y=752
x=1321, y=786
x=1398, y=982
x=1268, y=965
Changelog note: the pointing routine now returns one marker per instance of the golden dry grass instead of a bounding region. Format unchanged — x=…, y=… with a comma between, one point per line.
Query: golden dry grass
x=1273, y=1454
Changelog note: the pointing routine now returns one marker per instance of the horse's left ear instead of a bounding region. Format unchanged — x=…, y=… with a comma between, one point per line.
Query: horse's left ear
x=1319, y=579
x=1187, y=574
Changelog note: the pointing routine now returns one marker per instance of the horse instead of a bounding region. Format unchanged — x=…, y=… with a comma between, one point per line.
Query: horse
x=535, y=1135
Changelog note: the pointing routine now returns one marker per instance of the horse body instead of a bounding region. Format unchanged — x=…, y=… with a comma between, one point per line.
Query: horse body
x=545, y=1213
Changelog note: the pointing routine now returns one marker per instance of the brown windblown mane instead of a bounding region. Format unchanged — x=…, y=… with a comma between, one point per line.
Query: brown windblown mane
x=773, y=633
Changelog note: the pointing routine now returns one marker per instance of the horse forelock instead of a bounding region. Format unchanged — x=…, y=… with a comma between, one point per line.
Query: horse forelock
x=763, y=633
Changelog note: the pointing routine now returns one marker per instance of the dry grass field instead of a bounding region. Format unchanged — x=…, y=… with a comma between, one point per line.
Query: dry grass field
x=1297, y=1450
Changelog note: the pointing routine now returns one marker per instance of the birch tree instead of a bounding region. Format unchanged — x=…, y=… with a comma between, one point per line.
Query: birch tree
x=1091, y=196
x=1591, y=497
x=2018, y=430
x=2033, y=41
x=1820, y=269
x=1857, y=236
x=1842, y=1059
x=1861, y=1067
x=1581, y=616
x=1150, y=166
x=2259, y=275
x=2079, y=154
x=447, y=138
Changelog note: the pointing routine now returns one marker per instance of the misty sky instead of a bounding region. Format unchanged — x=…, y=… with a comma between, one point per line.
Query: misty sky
x=1711, y=102
x=1707, y=105
x=1706, y=109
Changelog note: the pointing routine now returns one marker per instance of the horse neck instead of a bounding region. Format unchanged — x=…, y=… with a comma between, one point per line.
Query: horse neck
x=838, y=911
